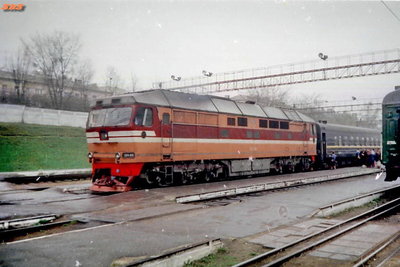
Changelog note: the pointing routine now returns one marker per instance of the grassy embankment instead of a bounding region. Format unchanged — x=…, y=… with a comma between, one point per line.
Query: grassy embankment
x=25, y=147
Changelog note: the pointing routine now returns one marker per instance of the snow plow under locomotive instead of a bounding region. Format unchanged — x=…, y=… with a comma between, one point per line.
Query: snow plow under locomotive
x=165, y=137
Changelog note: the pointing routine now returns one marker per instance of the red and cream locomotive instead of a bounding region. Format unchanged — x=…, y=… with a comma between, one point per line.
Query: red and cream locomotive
x=167, y=137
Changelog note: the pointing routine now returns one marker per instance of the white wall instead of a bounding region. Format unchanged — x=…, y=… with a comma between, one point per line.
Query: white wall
x=23, y=114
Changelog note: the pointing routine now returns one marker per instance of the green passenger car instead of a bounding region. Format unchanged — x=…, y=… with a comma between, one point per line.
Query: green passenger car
x=391, y=134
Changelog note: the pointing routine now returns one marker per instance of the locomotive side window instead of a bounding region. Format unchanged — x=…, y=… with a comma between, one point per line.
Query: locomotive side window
x=231, y=121
x=284, y=125
x=263, y=124
x=242, y=121
x=165, y=118
x=274, y=124
x=144, y=117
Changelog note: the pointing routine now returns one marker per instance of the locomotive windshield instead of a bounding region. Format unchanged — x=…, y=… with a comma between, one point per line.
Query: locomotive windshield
x=110, y=117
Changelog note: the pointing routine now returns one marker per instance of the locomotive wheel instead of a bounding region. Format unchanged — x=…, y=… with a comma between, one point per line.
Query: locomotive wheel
x=185, y=178
x=208, y=176
x=160, y=181
x=149, y=180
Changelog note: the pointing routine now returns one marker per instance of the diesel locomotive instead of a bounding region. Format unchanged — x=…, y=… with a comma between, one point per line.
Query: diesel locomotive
x=390, y=134
x=164, y=137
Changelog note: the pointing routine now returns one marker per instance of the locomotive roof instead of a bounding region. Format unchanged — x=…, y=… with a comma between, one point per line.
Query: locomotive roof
x=166, y=98
x=392, y=98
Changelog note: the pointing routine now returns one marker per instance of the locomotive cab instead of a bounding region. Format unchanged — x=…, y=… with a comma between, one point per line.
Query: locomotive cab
x=113, y=133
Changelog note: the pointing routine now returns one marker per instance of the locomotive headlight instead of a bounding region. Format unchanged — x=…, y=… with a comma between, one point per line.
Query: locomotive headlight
x=117, y=155
x=90, y=155
x=128, y=155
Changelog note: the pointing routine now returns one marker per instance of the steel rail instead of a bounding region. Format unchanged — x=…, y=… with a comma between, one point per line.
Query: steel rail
x=267, y=186
x=376, y=251
x=324, y=240
x=294, y=254
x=389, y=257
x=7, y=234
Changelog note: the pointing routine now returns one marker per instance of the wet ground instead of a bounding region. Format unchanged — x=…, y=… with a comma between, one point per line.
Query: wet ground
x=147, y=222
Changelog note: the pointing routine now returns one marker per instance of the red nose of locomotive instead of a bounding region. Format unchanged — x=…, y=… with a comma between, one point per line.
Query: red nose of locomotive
x=117, y=138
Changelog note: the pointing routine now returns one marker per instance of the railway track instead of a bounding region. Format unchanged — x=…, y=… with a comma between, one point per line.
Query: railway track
x=210, y=202
x=44, y=176
x=286, y=253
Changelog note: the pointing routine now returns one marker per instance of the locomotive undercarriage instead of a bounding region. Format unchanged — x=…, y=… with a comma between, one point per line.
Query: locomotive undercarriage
x=164, y=174
x=185, y=172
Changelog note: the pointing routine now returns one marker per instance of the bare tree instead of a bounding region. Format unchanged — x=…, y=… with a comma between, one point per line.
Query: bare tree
x=56, y=57
x=370, y=117
x=306, y=101
x=20, y=66
x=113, y=80
x=315, y=107
x=133, y=82
x=273, y=96
x=81, y=83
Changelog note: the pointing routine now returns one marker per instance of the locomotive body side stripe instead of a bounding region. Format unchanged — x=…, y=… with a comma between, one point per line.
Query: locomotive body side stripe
x=130, y=133
x=196, y=140
x=92, y=134
x=121, y=133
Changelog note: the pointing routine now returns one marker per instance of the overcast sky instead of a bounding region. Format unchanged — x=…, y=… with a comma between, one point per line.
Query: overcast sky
x=154, y=39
